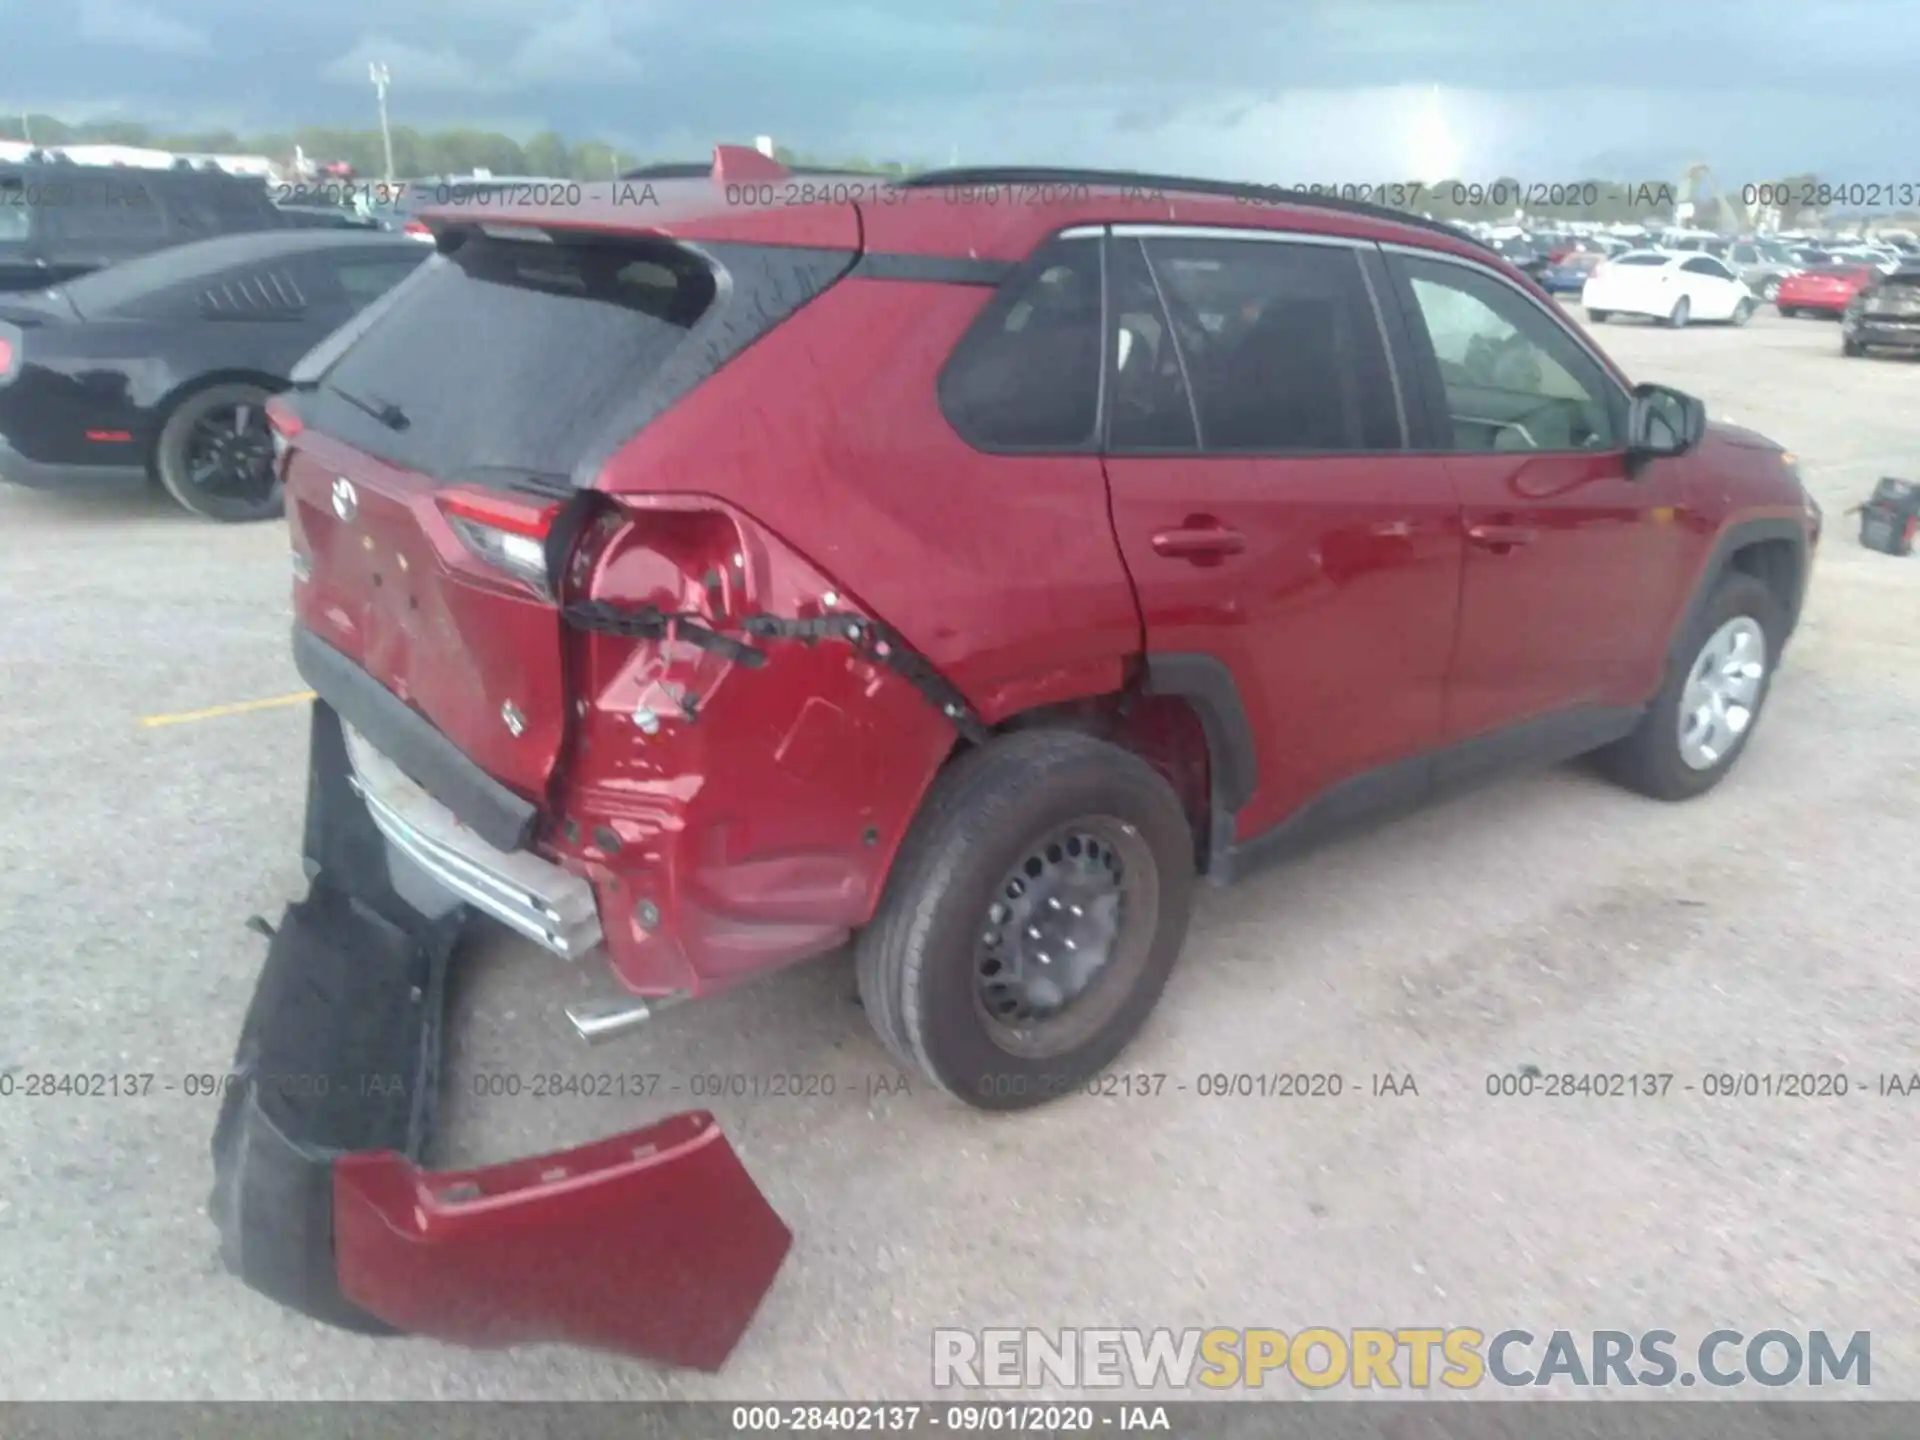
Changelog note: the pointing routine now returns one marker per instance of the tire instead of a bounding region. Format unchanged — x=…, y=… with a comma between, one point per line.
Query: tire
x=1789, y=312
x=172, y=451
x=1677, y=317
x=924, y=971
x=1651, y=760
x=1770, y=290
x=1599, y=317
x=1743, y=312
x=1852, y=348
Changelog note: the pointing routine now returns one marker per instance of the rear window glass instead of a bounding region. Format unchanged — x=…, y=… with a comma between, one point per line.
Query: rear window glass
x=1641, y=260
x=509, y=356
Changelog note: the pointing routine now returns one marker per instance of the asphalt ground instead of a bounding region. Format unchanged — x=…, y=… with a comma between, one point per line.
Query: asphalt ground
x=1549, y=920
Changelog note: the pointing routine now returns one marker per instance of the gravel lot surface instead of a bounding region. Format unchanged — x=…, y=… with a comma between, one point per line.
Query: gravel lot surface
x=1549, y=920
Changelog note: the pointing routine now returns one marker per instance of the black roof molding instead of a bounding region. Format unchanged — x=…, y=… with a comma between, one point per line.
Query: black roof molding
x=984, y=175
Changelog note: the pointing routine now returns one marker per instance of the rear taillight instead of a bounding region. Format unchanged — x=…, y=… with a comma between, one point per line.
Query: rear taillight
x=6, y=357
x=507, y=534
x=417, y=229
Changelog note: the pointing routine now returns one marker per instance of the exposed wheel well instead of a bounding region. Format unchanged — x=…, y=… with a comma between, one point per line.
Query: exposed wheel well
x=1164, y=730
x=1776, y=564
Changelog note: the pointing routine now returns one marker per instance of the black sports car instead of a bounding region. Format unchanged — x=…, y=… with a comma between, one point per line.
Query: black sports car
x=160, y=368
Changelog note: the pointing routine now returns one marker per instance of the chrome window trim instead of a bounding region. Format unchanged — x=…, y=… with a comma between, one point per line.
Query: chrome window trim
x=1149, y=230
x=1572, y=333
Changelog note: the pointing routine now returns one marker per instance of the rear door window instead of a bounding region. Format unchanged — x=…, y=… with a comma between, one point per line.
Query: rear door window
x=1151, y=406
x=1281, y=345
x=1026, y=376
x=508, y=355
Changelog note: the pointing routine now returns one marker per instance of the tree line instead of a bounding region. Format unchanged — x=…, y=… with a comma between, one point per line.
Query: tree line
x=419, y=154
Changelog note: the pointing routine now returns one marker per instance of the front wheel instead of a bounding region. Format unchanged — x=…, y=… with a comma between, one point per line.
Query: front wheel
x=1701, y=719
x=1599, y=317
x=1678, y=316
x=1743, y=312
x=215, y=454
x=1852, y=347
x=1031, y=920
x=1789, y=312
x=1770, y=290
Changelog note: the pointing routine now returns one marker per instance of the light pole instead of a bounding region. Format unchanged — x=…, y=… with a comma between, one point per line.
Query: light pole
x=377, y=73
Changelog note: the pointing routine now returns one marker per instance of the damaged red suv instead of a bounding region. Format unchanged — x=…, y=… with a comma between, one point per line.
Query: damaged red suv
x=730, y=568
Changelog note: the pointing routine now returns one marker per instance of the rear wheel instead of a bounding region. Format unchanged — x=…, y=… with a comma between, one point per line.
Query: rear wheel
x=1701, y=719
x=1678, y=316
x=215, y=454
x=1031, y=920
x=1852, y=347
x=1599, y=317
x=1743, y=312
x=1790, y=312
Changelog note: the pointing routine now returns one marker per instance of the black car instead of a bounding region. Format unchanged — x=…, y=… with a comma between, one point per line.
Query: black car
x=1885, y=315
x=60, y=220
x=326, y=217
x=159, y=368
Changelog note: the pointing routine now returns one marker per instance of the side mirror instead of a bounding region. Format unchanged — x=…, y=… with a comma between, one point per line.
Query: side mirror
x=1663, y=422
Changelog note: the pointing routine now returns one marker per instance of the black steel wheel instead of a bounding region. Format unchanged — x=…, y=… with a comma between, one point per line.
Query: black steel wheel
x=215, y=455
x=1031, y=918
x=1064, y=936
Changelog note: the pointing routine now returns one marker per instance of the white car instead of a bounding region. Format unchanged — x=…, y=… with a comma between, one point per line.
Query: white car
x=1666, y=286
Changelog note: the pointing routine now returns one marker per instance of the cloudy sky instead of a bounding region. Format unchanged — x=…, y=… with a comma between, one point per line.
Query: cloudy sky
x=1283, y=91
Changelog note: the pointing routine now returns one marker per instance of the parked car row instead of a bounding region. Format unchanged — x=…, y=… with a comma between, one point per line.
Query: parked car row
x=156, y=369
x=1878, y=306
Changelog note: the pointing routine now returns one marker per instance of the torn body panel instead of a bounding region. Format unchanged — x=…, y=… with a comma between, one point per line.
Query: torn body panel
x=653, y=1243
x=734, y=812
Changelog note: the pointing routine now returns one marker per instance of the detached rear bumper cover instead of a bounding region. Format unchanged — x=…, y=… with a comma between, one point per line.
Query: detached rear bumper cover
x=655, y=1243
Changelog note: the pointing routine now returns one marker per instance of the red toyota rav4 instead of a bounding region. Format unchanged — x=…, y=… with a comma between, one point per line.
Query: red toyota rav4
x=728, y=569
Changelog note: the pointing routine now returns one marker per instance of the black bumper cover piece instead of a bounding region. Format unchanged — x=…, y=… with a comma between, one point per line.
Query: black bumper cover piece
x=493, y=812
x=339, y=1052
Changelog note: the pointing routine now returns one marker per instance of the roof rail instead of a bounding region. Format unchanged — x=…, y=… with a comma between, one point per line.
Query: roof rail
x=703, y=169
x=1187, y=184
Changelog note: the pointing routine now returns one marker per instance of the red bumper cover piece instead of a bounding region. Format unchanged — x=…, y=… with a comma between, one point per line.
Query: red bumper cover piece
x=655, y=1243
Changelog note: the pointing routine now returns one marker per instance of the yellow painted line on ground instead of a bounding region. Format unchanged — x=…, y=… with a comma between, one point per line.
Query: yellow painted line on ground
x=216, y=712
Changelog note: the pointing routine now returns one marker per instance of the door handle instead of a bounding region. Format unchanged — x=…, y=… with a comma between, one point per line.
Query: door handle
x=1199, y=543
x=1501, y=539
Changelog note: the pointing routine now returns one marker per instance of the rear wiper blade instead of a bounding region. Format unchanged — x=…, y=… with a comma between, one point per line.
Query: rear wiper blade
x=385, y=411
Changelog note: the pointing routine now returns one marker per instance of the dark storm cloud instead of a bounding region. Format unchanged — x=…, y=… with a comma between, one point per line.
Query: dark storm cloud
x=1212, y=84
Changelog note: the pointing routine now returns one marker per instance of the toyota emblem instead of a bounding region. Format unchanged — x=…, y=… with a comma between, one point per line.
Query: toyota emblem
x=346, y=502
